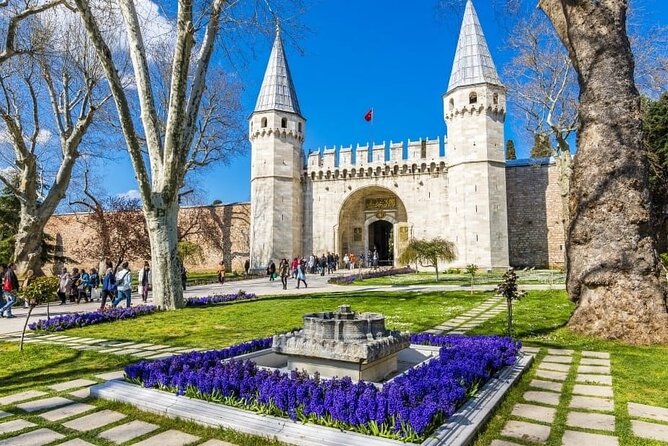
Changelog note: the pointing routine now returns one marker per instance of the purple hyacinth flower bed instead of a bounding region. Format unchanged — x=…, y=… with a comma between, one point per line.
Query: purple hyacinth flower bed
x=219, y=299
x=408, y=408
x=347, y=280
x=74, y=320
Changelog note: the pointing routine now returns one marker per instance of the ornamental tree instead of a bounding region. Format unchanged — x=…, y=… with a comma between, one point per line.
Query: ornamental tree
x=508, y=289
x=428, y=253
x=472, y=270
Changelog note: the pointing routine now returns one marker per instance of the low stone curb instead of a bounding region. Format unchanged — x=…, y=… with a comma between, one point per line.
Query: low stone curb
x=460, y=429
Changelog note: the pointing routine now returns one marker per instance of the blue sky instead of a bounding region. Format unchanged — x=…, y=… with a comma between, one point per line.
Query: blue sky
x=392, y=55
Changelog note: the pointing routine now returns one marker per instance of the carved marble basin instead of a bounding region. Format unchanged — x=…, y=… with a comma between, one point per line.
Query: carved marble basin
x=343, y=343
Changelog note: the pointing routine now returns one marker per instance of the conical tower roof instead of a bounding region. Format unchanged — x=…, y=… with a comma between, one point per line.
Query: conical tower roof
x=278, y=91
x=473, y=63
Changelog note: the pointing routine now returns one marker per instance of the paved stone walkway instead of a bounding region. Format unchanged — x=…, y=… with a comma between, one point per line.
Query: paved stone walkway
x=472, y=318
x=650, y=422
x=70, y=413
x=577, y=385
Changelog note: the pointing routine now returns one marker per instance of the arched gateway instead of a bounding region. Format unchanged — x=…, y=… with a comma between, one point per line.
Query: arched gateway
x=373, y=218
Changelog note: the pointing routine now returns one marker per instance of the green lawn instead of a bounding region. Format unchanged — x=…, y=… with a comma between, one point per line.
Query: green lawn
x=639, y=374
x=222, y=325
x=428, y=277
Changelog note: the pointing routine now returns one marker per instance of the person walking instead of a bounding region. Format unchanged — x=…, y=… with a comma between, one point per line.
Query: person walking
x=3, y=268
x=64, y=285
x=10, y=288
x=27, y=280
x=123, y=287
x=94, y=285
x=145, y=280
x=74, y=286
x=184, y=275
x=108, y=285
x=271, y=271
x=301, y=276
x=284, y=272
x=221, y=272
x=247, y=266
x=84, y=286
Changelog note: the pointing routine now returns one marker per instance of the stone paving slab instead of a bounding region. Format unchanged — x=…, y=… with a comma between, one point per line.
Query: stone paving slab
x=594, y=361
x=533, y=412
x=18, y=397
x=162, y=355
x=531, y=349
x=126, y=351
x=143, y=354
x=15, y=425
x=600, y=355
x=67, y=411
x=4, y=414
x=584, y=389
x=558, y=359
x=547, y=385
x=119, y=374
x=596, y=421
x=35, y=438
x=592, y=403
x=554, y=367
x=94, y=420
x=76, y=442
x=651, y=412
x=499, y=443
x=169, y=438
x=573, y=438
x=594, y=369
x=143, y=345
x=652, y=431
x=72, y=384
x=546, y=374
x=128, y=431
x=596, y=379
x=549, y=398
x=559, y=352
x=43, y=404
x=215, y=442
x=521, y=430
x=81, y=393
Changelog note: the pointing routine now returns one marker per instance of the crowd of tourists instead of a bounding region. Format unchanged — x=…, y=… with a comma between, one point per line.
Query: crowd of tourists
x=297, y=268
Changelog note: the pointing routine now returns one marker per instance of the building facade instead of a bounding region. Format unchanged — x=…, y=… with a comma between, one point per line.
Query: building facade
x=378, y=197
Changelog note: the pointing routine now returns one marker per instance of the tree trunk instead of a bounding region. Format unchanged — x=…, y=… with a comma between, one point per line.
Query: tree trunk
x=28, y=242
x=25, y=326
x=509, y=304
x=613, y=270
x=166, y=277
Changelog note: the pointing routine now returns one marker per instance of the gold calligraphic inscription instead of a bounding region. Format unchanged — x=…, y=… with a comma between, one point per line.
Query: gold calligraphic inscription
x=403, y=233
x=381, y=203
x=357, y=234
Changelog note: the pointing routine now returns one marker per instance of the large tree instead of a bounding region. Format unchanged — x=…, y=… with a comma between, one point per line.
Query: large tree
x=613, y=267
x=49, y=96
x=167, y=135
x=655, y=126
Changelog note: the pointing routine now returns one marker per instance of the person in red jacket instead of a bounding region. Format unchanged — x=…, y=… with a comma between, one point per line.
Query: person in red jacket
x=10, y=287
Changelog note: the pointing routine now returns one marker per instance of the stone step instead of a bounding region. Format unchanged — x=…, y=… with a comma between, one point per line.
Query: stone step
x=38, y=437
x=128, y=431
x=169, y=438
x=94, y=420
x=650, y=431
x=573, y=438
x=44, y=404
x=18, y=397
x=651, y=412
x=536, y=433
x=596, y=421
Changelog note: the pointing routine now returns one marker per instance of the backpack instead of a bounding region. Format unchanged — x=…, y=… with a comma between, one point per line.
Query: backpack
x=6, y=283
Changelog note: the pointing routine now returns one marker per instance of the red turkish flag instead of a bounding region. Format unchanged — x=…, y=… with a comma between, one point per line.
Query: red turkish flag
x=369, y=115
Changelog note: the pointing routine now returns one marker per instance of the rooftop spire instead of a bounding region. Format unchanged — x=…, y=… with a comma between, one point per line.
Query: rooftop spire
x=473, y=63
x=277, y=91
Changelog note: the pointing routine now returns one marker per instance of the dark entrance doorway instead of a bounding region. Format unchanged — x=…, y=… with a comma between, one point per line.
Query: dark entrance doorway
x=381, y=238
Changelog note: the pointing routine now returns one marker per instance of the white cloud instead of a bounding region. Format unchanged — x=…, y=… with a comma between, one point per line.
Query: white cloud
x=132, y=194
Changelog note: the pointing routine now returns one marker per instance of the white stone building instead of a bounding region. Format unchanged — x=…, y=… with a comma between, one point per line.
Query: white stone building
x=357, y=199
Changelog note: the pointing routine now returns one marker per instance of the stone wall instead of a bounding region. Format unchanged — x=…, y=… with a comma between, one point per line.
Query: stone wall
x=535, y=230
x=227, y=228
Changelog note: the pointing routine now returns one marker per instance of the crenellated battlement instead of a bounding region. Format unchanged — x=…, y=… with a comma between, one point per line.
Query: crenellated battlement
x=399, y=157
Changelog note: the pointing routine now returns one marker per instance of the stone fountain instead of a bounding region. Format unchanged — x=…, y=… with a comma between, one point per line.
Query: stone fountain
x=343, y=343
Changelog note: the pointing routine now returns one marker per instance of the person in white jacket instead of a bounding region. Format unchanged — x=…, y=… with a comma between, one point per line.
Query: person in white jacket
x=123, y=286
x=144, y=281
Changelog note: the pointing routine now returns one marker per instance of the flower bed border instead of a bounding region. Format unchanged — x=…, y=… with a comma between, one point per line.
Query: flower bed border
x=351, y=278
x=69, y=321
x=216, y=299
x=459, y=430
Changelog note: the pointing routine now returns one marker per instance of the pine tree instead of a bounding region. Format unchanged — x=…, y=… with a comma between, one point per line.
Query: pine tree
x=541, y=146
x=510, y=150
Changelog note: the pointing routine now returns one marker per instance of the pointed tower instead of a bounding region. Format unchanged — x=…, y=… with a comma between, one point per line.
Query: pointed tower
x=474, y=110
x=276, y=133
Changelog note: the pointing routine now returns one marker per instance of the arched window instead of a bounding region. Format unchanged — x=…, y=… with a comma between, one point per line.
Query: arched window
x=495, y=98
x=473, y=98
x=264, y=122
x=452, y=104
x=299, y=127
x=284, y=123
